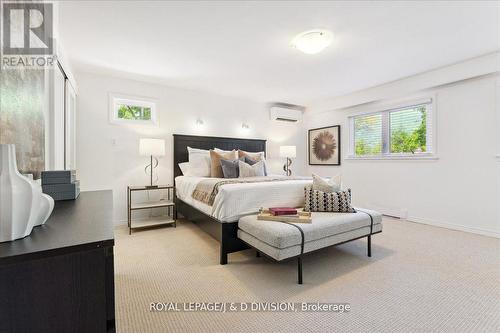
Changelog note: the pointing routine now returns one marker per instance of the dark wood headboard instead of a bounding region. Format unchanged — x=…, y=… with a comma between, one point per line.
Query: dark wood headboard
x=181, y=142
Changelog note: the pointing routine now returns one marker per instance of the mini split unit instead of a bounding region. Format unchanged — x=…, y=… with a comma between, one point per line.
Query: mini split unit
x=280, y=113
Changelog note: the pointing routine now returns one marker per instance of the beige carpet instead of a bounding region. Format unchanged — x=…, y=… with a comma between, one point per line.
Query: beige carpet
x=420, y=279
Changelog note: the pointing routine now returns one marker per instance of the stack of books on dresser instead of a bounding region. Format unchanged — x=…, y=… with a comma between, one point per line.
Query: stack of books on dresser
x=61, y=185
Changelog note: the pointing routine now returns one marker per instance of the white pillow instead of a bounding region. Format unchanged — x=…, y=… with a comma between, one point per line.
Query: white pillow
x=198, y=151
x=247, y=170
x=217, y=150
x=184, y=168
x=327, y=185
x=199, y=162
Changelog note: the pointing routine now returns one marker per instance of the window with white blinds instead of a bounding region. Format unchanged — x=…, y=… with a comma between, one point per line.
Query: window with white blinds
x=402, y=132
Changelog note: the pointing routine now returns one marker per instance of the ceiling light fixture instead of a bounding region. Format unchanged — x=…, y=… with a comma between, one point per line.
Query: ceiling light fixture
x=312, y=41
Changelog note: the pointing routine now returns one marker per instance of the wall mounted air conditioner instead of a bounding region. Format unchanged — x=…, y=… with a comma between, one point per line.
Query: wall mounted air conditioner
x=280, y=113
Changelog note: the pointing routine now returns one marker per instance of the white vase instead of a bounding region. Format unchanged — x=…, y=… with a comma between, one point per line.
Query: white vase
x=22, y=203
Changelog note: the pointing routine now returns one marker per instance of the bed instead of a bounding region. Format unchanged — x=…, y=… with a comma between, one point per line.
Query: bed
x=233, y=201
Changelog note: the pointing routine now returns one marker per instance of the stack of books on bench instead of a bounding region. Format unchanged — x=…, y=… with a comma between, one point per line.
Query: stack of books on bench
x=284, y=214
x=61, y=185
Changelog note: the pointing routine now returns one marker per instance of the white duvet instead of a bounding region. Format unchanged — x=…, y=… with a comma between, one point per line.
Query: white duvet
x=236, y=200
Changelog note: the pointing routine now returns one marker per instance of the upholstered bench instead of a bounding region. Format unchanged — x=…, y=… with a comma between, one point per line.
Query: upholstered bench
x=280, y=240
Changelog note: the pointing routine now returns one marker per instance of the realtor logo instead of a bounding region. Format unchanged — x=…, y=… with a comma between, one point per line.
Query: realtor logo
x=27, y=28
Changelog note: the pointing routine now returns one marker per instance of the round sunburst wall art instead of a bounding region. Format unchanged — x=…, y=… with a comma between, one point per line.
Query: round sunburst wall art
x=324, y=146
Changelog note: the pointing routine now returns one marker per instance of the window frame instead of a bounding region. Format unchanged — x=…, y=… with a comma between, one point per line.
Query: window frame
x=431, y=126
x=144, y=102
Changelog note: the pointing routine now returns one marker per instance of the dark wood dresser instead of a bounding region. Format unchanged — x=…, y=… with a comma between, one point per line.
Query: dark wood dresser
x=61, y=277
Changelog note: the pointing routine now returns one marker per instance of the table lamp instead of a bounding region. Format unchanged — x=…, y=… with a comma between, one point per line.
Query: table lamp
x=152, y=148
x=288, y=152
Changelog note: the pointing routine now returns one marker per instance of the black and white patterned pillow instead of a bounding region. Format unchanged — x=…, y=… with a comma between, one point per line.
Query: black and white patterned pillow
x=319, y=201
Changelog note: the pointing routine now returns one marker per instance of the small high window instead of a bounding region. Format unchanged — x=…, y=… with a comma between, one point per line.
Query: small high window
x=132, y=110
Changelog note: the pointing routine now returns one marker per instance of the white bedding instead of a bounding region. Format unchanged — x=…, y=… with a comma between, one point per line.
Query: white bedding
x=236, y=200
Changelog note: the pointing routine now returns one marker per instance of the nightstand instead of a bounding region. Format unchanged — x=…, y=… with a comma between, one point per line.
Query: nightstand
x=167, y=202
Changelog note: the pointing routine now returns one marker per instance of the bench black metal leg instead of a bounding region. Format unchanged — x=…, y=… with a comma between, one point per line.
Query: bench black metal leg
x=257, y=254
x=223, y=256
x=299, y=261
x=370, y=246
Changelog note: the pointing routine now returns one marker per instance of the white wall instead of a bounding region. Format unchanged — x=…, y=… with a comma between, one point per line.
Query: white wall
x=108, y=154
x=459, y=190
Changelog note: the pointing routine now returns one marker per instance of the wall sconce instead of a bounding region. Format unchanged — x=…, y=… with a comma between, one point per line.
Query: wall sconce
x=245, y=126
x=199, y=122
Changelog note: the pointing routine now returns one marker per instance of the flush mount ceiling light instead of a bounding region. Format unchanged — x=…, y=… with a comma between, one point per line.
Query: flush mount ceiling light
x=312, y=41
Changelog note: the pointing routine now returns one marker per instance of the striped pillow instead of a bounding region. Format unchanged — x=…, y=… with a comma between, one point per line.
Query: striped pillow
x=319, y=201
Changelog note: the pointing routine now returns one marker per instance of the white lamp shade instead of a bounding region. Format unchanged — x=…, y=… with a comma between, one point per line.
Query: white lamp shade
x=288, y=151
x=152, y=147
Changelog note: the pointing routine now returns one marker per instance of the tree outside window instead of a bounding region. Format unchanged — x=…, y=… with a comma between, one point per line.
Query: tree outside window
x=409, y=130
x=131, y=112
x=396, y=132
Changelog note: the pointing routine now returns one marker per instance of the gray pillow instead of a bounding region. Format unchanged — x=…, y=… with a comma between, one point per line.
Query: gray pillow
x=249, y=160
x=230, y=168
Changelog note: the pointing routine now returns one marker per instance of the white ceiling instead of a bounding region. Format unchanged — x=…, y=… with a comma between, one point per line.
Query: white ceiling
x=242, y=48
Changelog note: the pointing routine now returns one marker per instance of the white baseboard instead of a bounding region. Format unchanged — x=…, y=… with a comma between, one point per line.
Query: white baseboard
x=478, y=231
x=400, y=213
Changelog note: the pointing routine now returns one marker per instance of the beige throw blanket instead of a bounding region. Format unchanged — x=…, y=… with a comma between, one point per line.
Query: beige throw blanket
x=207, y=189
